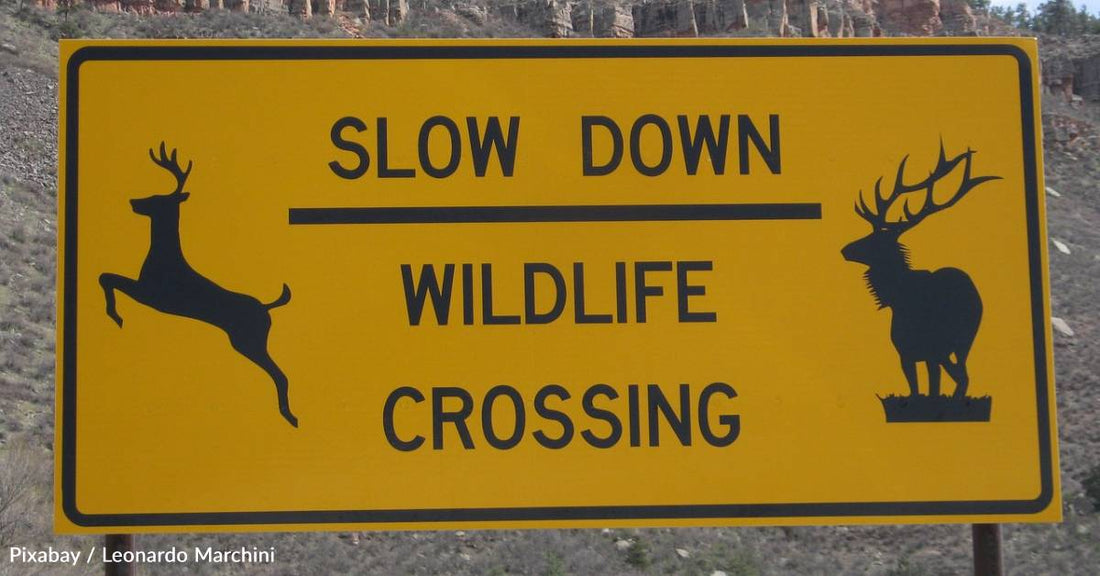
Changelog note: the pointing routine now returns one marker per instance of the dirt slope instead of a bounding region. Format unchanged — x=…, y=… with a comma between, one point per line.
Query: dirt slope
x=27, y=232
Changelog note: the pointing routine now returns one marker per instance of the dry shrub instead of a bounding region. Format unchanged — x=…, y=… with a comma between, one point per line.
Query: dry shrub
x=23, y=482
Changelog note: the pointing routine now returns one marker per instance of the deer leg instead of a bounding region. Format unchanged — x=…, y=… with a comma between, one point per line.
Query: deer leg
x=933, y=378
x=909, y=367
x=281, y=386
x=255, y=349
x=112, y=282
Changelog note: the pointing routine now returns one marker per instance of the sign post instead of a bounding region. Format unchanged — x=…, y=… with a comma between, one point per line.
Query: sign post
x=987, y=550
x=118, y=544
x=641, y=283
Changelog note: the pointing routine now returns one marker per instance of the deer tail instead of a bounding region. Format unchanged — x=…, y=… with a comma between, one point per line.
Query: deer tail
x=281, y=300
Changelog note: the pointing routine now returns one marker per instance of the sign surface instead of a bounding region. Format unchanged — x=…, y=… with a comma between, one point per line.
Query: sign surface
x=322, y=285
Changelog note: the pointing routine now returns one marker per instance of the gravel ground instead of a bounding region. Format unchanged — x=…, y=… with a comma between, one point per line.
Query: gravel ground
x=28, y=126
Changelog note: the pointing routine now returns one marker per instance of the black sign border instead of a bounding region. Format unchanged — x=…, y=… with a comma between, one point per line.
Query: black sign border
x=555, y=513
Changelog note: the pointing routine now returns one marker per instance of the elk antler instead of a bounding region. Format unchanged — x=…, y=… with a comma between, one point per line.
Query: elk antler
x=170, y=164
x=878, y=218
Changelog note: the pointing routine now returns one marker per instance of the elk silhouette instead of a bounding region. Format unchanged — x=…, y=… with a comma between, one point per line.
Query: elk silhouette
x=935, y=313
x=169, y=284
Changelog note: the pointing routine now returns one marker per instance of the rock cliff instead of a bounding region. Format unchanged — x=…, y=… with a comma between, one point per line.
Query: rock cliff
x=1071, y=67
x=624, y=18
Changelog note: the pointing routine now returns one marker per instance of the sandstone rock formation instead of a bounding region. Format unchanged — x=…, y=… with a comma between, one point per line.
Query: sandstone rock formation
x=769, y=16
x=626, y=18
x=1086, y=77
x=956, y=15
x=674, y=18
x=721, y=16
x=553, y=17
x=1070, y=68
x=910, y=17
x=602, y=19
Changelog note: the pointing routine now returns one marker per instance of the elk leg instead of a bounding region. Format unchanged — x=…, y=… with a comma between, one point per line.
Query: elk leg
x=933, y=378
x=909, y=367
x=958, y=373
x=255, y=349
x=112, y=282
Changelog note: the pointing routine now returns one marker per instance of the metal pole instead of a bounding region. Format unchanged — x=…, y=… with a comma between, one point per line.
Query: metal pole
x=118, y=543
x=987, y=550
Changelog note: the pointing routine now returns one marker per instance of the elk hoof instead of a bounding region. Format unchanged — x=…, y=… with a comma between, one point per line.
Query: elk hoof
x=291, y=418
x=116, y=318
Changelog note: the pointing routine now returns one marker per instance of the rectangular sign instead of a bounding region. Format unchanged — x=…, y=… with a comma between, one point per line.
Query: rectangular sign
x=376, y=285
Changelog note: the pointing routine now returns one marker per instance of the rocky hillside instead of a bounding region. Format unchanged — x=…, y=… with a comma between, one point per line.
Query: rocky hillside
x=620, y=18
x=28, y=159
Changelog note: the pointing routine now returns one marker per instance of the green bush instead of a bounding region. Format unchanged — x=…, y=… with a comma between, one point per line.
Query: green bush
x=741, y=563
x=638, y=555
x=904, y=568
x=555, y=566
x=1092, y=486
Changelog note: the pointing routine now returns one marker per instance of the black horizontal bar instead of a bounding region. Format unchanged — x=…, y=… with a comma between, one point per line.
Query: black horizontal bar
x=527, y=214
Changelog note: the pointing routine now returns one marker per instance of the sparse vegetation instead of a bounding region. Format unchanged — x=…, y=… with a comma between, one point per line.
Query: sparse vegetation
x=637, y=555
x=1091, y=485
x=27, y=277
x=22, y=480
x=740, y=563
x=555, y=566
x=26, y=310
x=904, y=567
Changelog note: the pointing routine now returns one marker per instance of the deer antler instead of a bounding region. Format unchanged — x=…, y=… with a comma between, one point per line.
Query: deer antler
x=170, y=164
x=944, y=166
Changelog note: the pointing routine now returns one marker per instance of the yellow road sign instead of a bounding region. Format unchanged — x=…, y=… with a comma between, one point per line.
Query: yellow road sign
x=317, y=285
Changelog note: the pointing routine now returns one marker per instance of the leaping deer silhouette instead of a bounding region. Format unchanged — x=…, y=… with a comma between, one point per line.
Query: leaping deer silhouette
x=169, y=284
x=936, y=314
